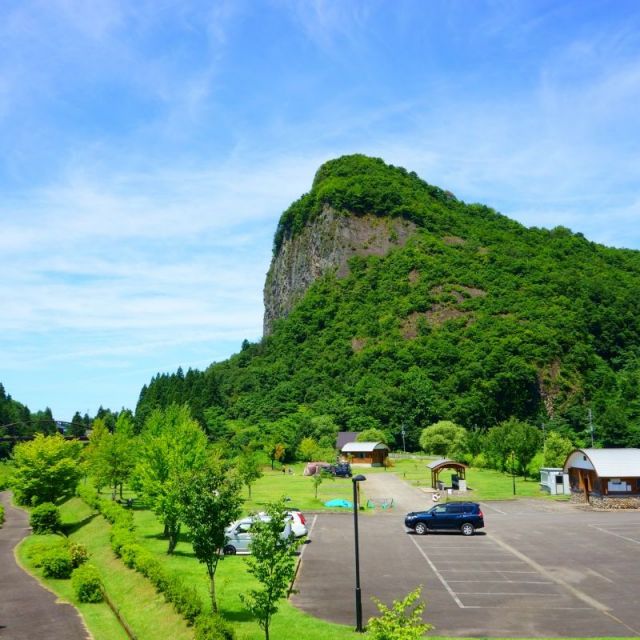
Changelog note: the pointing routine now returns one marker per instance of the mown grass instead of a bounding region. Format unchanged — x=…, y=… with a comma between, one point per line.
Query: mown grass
x=98, y=617
x=296, y=486
x=232, y=579
x=483, y=484
x=133, y=595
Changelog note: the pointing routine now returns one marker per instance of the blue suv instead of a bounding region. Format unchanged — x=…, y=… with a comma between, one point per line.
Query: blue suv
x=465, y=517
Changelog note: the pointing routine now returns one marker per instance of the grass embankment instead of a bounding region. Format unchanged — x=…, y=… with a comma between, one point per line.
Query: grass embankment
x=143, y=609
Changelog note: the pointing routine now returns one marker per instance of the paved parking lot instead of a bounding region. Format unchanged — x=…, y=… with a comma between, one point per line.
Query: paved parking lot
x=539, y=569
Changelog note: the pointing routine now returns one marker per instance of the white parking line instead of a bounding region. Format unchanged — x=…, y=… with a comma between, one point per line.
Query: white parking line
x=504, y=581
x=617, y=535
x=488, y=506
x=438, y=575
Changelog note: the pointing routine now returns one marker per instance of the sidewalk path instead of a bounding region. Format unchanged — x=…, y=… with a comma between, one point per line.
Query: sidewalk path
x=27, y=610
x=405, y=497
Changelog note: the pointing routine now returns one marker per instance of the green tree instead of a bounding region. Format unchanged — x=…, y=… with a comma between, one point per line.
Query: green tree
x=210, y=500
x=513, y=443
x=308, y=449
x=272, y=563
x=46, y=469
x=556, y=449
x=372, y=435
x=275, y=450
x=78, y=427
x=249, y=469
x=401, y=621
x=444, y=438
x=172, y=445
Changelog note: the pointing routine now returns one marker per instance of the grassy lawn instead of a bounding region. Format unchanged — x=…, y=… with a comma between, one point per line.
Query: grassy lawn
x=132, y=594
x=298, y=487
x=232, y=579
x=483, y=484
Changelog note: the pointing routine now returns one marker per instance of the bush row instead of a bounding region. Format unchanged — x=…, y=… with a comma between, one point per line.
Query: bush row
x=183, y=597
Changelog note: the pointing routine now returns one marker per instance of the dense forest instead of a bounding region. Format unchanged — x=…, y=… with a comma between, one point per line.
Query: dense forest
x=475, y=319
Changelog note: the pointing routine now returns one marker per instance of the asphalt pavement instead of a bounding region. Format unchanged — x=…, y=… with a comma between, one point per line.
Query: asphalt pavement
x=538, y=569
x=28, y=611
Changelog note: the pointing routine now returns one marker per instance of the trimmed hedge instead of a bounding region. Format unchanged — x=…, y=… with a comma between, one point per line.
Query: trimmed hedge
x=183, y=597
x=45, y=518
x=213, y=627
x=87, y=584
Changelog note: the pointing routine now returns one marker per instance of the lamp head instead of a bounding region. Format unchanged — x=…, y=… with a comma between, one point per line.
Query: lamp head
x=358, y=478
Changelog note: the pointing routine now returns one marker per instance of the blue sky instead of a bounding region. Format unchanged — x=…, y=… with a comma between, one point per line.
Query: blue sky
x=150, y=147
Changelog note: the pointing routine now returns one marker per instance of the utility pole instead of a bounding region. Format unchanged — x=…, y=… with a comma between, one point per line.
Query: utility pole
x=591, y=425
x=404, y=447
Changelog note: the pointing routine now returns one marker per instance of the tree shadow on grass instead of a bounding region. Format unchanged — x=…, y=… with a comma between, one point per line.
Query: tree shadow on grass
x=237, y=616
x=72, y=527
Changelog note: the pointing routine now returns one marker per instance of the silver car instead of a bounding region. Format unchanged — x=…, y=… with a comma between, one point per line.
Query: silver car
x=239, y=534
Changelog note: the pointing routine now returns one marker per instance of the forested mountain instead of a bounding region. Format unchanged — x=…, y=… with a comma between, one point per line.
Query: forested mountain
x=391, y=303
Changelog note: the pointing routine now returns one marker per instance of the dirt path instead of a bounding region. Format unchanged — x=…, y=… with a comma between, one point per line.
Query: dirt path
x=27, y=610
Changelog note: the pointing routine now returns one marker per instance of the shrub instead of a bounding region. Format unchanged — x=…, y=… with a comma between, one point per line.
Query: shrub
x=129, y=553
x=151, y=568
x=45, y=518
x=1, y=515
x=86, y=584
x=121, y=536
x=79, y=554
x=37, y=551
x=56, y=563
x=212, y=627
x=184, y=598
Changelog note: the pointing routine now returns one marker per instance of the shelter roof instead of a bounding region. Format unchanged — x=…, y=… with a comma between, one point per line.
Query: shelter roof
x=443, y=463
x=363, y=447
x=608, y=463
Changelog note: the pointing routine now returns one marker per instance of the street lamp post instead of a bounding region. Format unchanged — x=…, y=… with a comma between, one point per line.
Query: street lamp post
x=355, y=480
x=513, y=471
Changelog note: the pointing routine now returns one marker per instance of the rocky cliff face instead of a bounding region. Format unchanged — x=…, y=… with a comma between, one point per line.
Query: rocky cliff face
x=325, y=245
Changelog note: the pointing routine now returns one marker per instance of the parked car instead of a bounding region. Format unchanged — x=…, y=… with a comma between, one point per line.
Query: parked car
x=341, y=470
x=465, y=517
x=239, y=536
x=297, y=521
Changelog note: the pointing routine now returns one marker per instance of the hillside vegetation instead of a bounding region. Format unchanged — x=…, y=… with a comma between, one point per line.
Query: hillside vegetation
x=475, y=319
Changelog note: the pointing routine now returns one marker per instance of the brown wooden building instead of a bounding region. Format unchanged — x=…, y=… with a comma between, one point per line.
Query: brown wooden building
x=604, y=472
x=372, y=453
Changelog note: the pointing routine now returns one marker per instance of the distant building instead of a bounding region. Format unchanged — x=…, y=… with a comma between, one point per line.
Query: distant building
x=604, y=475
x=369, y=453
x=344, y=437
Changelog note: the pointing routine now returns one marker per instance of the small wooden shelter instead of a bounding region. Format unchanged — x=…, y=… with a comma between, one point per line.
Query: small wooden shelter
x=373, y=453
x=437, y=466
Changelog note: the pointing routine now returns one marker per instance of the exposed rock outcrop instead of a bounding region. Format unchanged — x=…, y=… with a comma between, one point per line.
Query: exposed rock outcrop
x=325, y=245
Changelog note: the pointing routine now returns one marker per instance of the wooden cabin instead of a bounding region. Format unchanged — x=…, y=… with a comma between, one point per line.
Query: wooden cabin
x=369, y=453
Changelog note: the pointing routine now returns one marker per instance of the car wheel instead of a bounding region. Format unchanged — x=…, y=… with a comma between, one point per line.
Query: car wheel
x=421, y=528
x=467, y=529
x=229, y=550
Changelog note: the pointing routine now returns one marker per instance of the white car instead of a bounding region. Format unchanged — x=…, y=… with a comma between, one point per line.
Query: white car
x=239, y=535
x=298, y=523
